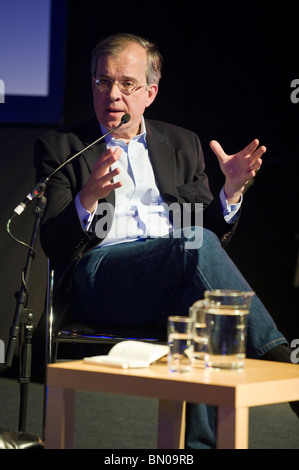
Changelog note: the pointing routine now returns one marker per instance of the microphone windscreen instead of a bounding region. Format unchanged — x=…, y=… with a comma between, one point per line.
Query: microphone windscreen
x=126, y=118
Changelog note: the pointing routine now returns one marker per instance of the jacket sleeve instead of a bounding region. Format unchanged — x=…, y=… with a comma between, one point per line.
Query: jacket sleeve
x=213, y=217
x=188, y=183
x=62, y=237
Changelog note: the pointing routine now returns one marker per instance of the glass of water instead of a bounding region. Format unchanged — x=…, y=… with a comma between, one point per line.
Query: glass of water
x=198, y=312
x=180, y=334
x=226, y=327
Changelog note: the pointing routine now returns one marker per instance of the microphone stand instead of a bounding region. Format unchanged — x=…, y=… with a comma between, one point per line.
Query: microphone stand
x=24, y=318
x=24, y=321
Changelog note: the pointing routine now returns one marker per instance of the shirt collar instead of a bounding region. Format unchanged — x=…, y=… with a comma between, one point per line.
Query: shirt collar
x=141, y=135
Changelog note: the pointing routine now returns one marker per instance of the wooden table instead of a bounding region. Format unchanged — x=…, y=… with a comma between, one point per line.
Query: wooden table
x=259, y=383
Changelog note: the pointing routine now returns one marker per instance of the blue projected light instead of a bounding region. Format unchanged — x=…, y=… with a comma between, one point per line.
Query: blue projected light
x=32, y=60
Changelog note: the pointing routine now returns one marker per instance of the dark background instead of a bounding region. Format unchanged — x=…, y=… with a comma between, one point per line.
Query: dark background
x=227, y=76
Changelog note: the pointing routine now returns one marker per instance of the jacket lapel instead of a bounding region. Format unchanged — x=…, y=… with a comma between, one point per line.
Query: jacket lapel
x=162, y=157
x=163, y=161
x=90, y=133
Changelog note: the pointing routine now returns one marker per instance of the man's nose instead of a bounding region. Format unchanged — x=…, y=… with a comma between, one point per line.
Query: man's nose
x=114, y=92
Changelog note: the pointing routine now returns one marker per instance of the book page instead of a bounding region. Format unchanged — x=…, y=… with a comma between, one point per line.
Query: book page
x=139, y=350
x=130, y=354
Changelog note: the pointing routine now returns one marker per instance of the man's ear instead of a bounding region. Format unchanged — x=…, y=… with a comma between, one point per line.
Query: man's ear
x=152, y=93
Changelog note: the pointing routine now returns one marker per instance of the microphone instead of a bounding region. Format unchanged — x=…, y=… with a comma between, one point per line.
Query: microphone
x=126, y=118
x=41, y=186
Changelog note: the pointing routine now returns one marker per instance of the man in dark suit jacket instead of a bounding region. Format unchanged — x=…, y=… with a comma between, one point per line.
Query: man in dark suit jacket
x=178, y=164
x=141, y=166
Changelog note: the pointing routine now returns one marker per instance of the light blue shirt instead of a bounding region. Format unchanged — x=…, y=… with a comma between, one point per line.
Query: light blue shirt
x=139, y=208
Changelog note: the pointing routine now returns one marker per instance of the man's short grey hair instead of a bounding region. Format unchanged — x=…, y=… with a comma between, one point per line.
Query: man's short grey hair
x=118, y=42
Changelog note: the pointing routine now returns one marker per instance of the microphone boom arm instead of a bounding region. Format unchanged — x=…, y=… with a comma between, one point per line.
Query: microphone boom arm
x=39, y=189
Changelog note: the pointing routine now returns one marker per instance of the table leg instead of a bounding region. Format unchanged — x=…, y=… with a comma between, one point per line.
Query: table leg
x=171, y=424
x=232, y=428
x=59, y=427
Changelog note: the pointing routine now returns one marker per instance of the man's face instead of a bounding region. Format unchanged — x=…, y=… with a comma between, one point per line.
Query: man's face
x=111, y=104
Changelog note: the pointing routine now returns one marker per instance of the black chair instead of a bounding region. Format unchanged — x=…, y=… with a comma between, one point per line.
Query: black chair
x=75, y=341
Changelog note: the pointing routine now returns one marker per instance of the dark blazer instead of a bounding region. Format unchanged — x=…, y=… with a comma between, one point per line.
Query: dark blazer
x=178, y=164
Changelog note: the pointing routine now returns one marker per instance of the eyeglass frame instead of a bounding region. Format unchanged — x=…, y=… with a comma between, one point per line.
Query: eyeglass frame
x=111, y=83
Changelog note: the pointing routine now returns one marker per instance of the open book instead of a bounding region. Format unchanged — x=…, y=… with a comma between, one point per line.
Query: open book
x=130, y=354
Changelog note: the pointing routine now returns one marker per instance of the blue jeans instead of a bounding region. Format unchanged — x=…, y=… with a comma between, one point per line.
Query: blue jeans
x=143, y=282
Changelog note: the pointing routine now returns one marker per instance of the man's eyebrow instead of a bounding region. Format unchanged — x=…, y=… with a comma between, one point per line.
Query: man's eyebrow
x=131, y=79
x=125, y=77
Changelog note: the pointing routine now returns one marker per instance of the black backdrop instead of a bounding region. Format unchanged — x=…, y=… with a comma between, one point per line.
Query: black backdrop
x=227, y=75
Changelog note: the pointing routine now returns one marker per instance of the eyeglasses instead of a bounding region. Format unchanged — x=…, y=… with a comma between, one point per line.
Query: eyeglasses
x=127, y=87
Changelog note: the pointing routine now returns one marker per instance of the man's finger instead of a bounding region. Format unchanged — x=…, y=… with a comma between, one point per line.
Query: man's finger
x=217, y=149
